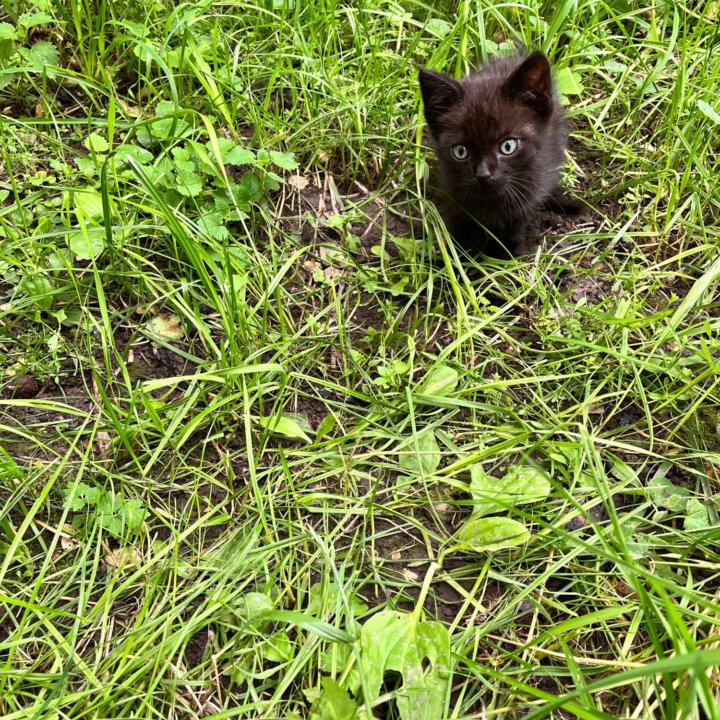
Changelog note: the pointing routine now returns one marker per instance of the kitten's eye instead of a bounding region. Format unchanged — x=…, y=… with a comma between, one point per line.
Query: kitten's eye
x=460, y=152
x=508, y=146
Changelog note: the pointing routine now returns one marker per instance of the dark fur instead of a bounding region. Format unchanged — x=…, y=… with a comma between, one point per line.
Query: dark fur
x=509, y=98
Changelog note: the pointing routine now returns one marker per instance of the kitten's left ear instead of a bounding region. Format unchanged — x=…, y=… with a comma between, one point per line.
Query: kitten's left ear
x=440, y=93
x=531, y=83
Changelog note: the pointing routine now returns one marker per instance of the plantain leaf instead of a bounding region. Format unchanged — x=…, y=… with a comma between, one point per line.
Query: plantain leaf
x=521, y=484
x=419, y=454
x=419, y=651
x=490, y=533
x=286, y=425
x=440, y=381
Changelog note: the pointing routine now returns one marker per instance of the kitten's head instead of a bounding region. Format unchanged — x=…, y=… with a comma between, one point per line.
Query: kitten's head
x=494, y=131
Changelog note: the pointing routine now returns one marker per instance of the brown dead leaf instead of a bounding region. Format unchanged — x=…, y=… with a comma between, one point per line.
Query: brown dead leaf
x=166, y=326
x=122, y=557
x=331, y=272
x=67, y=538
x=102, y=442
x=130, y=110
x=409, y=575
x=299, y=182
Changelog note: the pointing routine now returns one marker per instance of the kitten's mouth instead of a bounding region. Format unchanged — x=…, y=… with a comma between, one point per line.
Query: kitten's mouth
x=489, y=184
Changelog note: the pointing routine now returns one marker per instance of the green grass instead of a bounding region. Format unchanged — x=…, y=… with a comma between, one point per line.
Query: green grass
x=240, y=423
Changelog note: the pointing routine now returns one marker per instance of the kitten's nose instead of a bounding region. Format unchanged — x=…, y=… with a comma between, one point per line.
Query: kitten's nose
x=482, y=172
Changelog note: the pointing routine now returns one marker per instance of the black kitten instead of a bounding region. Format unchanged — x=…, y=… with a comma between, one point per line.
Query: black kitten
x=500, y=137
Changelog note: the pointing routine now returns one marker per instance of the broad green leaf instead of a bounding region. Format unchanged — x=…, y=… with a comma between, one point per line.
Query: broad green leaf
x=440, y=381
x=169, y=128
x=622, y=471
x=78, y=497
x=166, y=107
x=490, y=533
x=9, y=539
x=140, y=155
x=677, y=503
x=285, y=160
x=419, y=454
x=521, y=484
x=31, y=19
x=568, y=83
x=39, y=288
x=90, y=202
x=41, y=55
x=277, y=648
x=212, y=224
x=96, y=143
x=325, y=426
x=249, y=190
x=338, y=220
x=419, y=651
x=335, y=702
x=161, y=173
x=399, y=287
x=708, y=110
x=614, y=66
x=87, y=244
x=697, y=517
x=189, y=182
x=134, y=512
x=111, y=513
x=9, y=468
x=224, y=146
x=182, y=154
x=391, y=373
x=172, y=58
x=7, y=31
x=118, y=515
x=284, y=425
x=86, y=165
x=254, y=604
x=665, y=494
x=163, y=129
x=337, y=656
x=638, y=544
x=236, y=155
x=271, y=181
x=439, y=28
x=8, y=35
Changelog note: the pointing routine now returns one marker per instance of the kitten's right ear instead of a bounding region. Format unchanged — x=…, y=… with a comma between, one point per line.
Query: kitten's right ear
x=440, y=93
x=531, y=83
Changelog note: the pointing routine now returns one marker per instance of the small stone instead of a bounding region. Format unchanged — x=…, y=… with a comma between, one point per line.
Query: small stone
x=25, y=388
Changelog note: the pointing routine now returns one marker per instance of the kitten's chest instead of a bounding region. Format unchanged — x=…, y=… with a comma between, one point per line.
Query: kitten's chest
x=477, y=208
